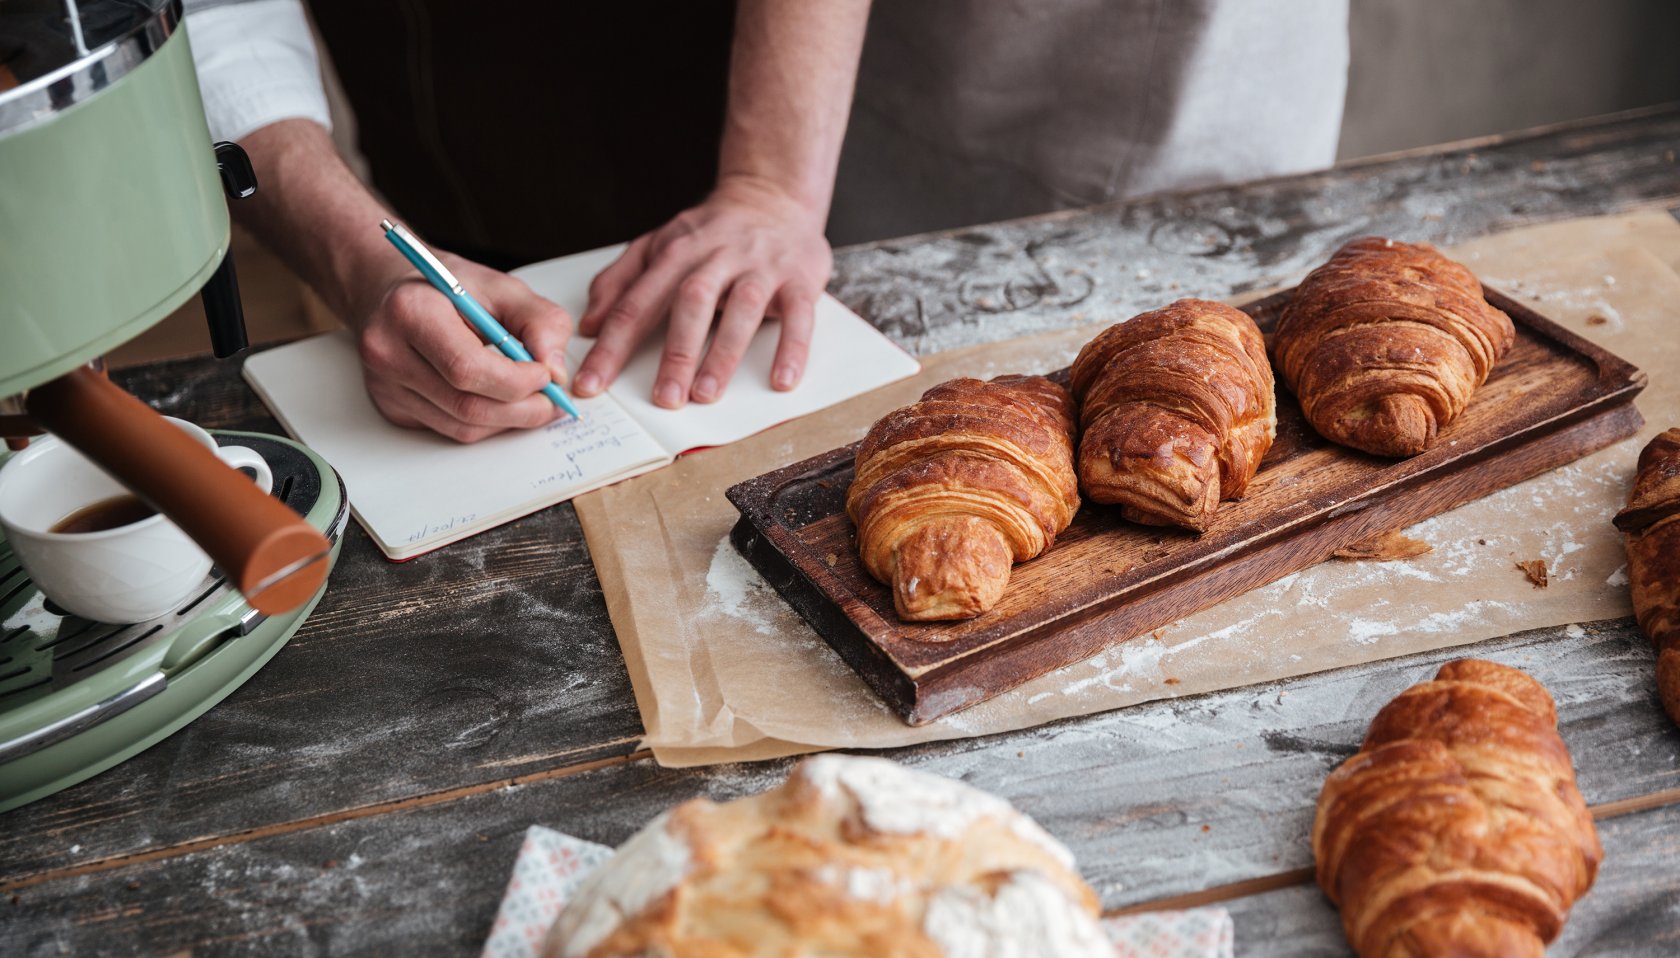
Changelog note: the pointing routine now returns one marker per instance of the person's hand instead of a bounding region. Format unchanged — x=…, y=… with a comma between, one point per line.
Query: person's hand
x=425, y=367
x=747, y=252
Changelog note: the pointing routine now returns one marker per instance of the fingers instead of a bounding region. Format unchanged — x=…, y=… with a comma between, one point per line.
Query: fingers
x=742, y=315
x=410, y=409
x=683, y=373
x=693, y=306
x=626, y=323
x=424, y=366
x=798, y=307
x=462, y=363
x=747, y=256
x=610, y=284
x=538, y=323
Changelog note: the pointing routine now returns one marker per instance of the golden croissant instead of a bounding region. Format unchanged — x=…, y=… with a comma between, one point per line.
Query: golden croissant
x=1176, y=409
x=952, y=490
x=1384, y=344
x=1652, y=524
x=1457, y=829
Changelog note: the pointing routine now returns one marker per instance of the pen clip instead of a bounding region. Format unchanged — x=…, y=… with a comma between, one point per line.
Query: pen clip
x=419, y=249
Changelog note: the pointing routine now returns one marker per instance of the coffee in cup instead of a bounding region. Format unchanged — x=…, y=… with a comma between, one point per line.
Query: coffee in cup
x=94, y=548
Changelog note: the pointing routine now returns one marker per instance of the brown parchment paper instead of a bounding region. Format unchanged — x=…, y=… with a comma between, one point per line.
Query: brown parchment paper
x=724, y=671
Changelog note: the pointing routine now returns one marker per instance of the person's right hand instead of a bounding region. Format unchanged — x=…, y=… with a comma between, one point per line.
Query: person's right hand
x=425, y=367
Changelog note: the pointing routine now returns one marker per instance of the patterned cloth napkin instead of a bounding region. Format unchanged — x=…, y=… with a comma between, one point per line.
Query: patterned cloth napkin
x=551, y=864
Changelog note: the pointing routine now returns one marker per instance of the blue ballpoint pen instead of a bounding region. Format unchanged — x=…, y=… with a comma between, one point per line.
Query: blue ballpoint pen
x=439, y=275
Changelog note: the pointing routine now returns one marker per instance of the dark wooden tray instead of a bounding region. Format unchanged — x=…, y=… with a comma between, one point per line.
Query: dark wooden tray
x=1554, y=398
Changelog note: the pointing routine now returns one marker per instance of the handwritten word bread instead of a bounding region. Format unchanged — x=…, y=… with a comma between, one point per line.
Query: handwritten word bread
x=1176, y=410
x=1652, y=524
x=1457, y=829
x=1385, y=343
x=849, y=857
x=952, y=490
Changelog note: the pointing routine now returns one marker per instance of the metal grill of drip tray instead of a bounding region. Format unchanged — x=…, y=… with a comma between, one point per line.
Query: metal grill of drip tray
x=62, y=676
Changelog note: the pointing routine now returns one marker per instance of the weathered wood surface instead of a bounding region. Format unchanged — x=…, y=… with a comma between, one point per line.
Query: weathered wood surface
x=1103, y=264
x=220, y=839
x=472, y=664
x=1552, y=399
x=1632, y=911
x=1156, y=800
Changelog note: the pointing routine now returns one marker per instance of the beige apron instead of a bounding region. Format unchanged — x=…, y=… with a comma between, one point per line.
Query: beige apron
x=969, y=111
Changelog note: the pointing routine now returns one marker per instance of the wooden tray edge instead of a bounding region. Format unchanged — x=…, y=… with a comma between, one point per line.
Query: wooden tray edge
x=1605, y=415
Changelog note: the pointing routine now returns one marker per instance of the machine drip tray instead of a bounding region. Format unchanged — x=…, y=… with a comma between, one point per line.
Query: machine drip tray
x=77, y=696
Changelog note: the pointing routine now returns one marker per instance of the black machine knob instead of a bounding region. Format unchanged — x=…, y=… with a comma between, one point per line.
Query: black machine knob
x=222, y=307
x=239, y=180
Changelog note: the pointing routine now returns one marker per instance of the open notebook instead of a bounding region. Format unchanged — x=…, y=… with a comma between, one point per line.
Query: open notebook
x=414, y=491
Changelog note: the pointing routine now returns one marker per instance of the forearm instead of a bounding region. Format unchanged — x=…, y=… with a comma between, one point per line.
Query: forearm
x=790, y=90
x=316, y=216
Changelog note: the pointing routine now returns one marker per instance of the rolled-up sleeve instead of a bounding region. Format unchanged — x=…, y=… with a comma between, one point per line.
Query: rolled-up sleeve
x=256, y=64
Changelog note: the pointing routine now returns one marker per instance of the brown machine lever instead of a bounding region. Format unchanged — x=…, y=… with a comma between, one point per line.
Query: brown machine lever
x=268, y=551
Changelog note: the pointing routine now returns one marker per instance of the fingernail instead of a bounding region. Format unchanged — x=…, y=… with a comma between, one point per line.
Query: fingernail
x=668, y=394
x=783, y=377
x=588, y=384
x=706, y=388
x=557, y=368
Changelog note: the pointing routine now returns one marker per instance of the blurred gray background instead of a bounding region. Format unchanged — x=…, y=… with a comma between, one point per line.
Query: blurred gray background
x=1425, y=72
x=1430, y=71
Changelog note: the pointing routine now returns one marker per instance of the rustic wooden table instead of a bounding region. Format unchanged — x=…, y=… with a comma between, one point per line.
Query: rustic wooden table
x=367, y=790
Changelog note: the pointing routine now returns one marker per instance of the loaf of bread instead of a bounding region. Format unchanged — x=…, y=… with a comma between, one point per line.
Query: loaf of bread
x=953, y=490
x=1651, y=522
x=1176, y=411
x=1384, y=344
x=1457, y=829
x=850, y=857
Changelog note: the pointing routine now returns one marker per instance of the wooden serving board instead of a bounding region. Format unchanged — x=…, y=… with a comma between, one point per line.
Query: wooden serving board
x=1554, y=398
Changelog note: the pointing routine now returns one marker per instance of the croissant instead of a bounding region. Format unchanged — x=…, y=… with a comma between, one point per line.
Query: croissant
x=1176, y=411
x=1384, y=344
x=951, y=490
x=1457, y=829
x=1652, y=524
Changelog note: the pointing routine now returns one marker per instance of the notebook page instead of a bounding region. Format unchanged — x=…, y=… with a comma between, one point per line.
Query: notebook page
x=414, y=490
x=848, y=358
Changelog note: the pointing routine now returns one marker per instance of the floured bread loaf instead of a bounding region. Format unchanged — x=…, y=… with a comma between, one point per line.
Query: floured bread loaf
x=851, y=856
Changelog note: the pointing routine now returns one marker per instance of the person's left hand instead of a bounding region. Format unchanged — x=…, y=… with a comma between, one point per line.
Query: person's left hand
x=748, y=251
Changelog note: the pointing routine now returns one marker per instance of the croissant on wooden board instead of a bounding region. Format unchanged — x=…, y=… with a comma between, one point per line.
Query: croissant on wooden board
x=1176, y=409
x=1652, y=524
x=1385, y=343
x=1457, y=829
x=952, y=490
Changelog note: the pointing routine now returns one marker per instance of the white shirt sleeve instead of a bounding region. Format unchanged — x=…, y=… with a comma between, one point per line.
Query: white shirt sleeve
x=256, y=65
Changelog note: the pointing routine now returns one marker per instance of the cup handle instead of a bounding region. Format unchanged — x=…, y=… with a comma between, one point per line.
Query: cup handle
x=240, y=457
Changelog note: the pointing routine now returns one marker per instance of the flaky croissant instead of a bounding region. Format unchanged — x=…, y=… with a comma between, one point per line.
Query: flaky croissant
x=1652, y=523
x=951, y=490
x=1176, y=409
x=1457, y=829
x=1384, y=344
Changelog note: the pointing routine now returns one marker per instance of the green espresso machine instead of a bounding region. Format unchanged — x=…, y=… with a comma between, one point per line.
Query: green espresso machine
x=113, y=213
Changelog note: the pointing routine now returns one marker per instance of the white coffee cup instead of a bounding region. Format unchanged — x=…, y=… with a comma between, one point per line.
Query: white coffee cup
x=126, y=574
